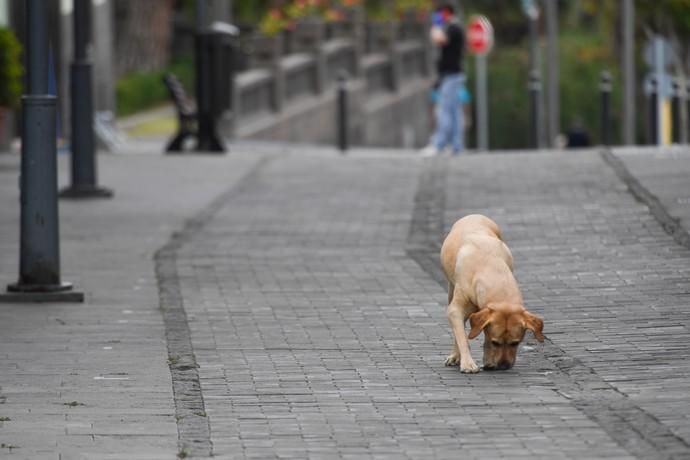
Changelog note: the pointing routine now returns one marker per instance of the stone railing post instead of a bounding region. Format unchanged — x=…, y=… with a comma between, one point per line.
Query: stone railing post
x=429, y=56
x=267, y=53
x=391, y=37
x=358, y=34
x=309, y=36
x=417, y=28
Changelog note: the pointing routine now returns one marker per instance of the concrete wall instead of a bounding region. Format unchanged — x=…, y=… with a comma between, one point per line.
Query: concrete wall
x=400, y=119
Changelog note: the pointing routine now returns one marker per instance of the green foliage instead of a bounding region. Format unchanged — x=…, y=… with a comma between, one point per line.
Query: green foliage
x=662, y=13
x=508, y=102
x=274, y=22
x=254, y=11
x=145, y=90
x=382, y=10
x=11, y=69
x=250, y=11
x=671, y=19
x=284, y=17
x=583, y=56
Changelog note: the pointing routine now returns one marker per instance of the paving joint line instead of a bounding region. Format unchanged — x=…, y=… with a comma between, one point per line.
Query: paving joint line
x=635, y=430
x=193, y=425
x=670, y=224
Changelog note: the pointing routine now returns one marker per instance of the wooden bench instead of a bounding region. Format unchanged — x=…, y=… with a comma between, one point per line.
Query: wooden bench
x=186, y=115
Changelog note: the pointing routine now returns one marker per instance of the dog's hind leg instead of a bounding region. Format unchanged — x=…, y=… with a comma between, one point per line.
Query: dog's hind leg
x=456, y=318
x=453, y=358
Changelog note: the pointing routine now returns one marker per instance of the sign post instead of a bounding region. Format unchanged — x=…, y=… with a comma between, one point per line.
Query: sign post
x=480, y=40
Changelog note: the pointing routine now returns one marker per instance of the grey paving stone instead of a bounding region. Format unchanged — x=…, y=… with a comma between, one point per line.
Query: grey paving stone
x=317, y=313
x=109, y=353
x=317, y=321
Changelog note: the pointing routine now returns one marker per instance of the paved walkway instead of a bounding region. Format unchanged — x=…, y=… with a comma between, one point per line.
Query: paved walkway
x=301, y=313
x=92, y=380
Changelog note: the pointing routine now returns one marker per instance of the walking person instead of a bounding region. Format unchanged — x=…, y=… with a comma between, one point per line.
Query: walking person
x=447, y=33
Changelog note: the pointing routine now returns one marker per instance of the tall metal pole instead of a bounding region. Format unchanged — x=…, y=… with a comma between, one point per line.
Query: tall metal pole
x=39, y=258
x=81, y=104
x=482, y=105
x=629, y=135
x=535, y=75
x=552, y=72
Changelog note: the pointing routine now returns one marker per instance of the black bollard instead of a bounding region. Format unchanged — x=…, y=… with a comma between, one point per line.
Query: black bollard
x=342, y=112
x=39, y=258
x=652, y=111
x=81, y=104
x=534, y=88
x=675, y=111
x=605, y=90
x=208, y=139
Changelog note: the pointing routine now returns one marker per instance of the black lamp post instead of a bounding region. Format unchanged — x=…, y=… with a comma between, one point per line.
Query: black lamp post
x=39, y=258
x=81, y=104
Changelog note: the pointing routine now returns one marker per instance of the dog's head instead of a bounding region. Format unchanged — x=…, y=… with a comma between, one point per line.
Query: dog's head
x=504, y=329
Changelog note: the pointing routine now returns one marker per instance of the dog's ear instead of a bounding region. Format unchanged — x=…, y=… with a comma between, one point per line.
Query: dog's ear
x=534, y=324
x=478, y=321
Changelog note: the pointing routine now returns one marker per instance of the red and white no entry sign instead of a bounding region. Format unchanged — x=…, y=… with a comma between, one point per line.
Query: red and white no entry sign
x=480, y=35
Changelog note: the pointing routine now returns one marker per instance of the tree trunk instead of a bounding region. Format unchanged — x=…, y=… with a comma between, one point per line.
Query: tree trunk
x=143, y=32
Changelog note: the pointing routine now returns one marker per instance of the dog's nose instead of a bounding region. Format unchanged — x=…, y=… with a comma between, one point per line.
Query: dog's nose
x=504, y=365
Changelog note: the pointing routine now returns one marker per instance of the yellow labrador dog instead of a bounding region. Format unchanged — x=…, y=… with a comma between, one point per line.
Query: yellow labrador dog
x=481, y=287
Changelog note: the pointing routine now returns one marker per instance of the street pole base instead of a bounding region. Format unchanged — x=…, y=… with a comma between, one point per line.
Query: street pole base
x=36, y=293
x=85, y=192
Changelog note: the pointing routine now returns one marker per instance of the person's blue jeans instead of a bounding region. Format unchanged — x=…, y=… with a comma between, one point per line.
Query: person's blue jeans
x=449, y=122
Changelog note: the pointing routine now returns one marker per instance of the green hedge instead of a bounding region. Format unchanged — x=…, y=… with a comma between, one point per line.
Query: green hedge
x=11, y=70
x=583, y=56
x=146, y=90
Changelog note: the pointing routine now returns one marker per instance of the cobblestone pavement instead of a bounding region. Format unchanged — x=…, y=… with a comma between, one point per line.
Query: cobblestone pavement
x=302, y=315
x=319, y=328
x=612, y=285
x=91, y=380
x=664, y=175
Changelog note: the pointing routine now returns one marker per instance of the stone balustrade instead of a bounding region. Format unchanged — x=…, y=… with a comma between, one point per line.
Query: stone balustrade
x=279, y=88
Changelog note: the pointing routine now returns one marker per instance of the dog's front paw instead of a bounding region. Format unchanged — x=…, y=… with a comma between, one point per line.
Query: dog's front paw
x=453, y=359
x=469, y=368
